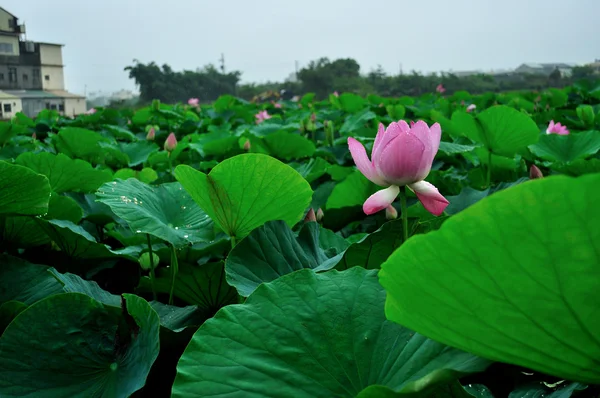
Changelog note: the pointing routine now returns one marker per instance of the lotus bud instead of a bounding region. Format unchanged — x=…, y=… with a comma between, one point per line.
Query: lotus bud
x=310, y=216
x=170, y=143
x=313, y=117
x=34, y=136
x=391, y=213
x=247, y=145
x=440, y=89
x=586, y=114
x=471, y=108
x=151, y=134
x=145, y=262
x=535, y=172
x=193, y=101
x=320, y=215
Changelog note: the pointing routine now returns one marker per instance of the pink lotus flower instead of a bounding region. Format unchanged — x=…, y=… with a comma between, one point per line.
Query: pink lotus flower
x=262, y=116
x=193, y=101
x=401, y=156
x=535, y=172
x=151, y=134
x=277, y=105
x=91, y=111
x=170, y=143
x=557, y=129
x=336, y=94
x=471, y=108
x=440, y=89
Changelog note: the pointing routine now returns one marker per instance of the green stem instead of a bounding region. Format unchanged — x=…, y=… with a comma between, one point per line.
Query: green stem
x=404, y=213
x=170, y=164
x=152, y=274
x=174, y=272
x=232, y=238
x=489, y=170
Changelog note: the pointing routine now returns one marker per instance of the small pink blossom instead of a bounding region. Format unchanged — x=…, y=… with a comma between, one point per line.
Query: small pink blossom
x=277, y=105
x=310, y=216
x=401, y=156
x=471, y=108
x=247, y=145
x=557, y=129
x=91, y=111
x=336, y=94
x=535, y=172
x=193, y=101
x=440, y=89
x=151, y=134
x=262, y=116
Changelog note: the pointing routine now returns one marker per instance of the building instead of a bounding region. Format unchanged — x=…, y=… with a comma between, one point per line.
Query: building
x=32, y=74
x=545, y=69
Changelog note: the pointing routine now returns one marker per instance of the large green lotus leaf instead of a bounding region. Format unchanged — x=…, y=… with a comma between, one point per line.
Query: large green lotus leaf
x=165, y=211
x=22, y=191
x=567, y=148
x=146, y=175
x=24, y=231
x=65, y=174
x=25, y=282
x=72, y=283
x=312, y=169
x=216, y=143
x=287, y=146
x=90, y=350
x=538, y=390
x=74, y=240
x=311, y=335
x=507, y=130
x=451, y=148
x=245, y=191
x=201, y=285
x=9, y=311
x=578, y=167
x=357, y=121
x=76, y=142
x=353, y=191
x=139, y=151
x=273, y=250
x=351, y=103
x=512, y=278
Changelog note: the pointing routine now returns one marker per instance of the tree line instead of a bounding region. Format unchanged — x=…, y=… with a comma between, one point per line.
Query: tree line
x=324, y=76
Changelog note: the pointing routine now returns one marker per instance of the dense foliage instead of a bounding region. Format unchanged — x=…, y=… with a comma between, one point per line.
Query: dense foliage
x=323, y=77
x=222, y=250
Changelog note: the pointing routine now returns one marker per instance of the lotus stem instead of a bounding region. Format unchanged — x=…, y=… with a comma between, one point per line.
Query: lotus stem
x=152, y=274
x=404, y=213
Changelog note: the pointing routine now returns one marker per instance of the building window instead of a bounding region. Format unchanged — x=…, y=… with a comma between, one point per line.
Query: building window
x=6, y=48
x=53, y=107
x=2, y=77
x=7, y=108
x=12, y=75
x=25, y=77
x=36, y=76
x=61, y=108
x=47, y=78
x=11, y=23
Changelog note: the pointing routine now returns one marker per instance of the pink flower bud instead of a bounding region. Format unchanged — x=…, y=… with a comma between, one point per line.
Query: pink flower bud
x=170, y=143
x=391, y=213
x=193, y=101
x=247, y=145
x=151, y=134
x=310, y=216
x=313, y=117
x=34, y=136
x=336, y=94
x=440, y=89
x=556, y=128
x=320, y=215
x=471, y=108
x=535, y=172
x=277, y=105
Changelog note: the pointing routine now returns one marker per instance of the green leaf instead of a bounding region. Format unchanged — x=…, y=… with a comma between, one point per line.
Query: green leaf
x=507, y=130
x=25, y=282
x=353, y=191
x=139, y=151
x=177, y=319
x=88, y=351
x=273, y=250
x=450, y=148
x=216, y=143
x=579, y=167
x=357, y=121
x=313, y=169
x=245, y=191
x=8, y=312
x=284, y=145
x=537, y=390
x=332, y=341
x=201, y=285
x=80, y=143
x=166, y=211
x=351, y=103
x=567, y=148
x=533, y=302
x=72, y=283
x=65, y=174
x=22, y=191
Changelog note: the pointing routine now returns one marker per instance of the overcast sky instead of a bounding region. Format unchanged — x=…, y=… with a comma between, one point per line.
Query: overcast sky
x=264, y=38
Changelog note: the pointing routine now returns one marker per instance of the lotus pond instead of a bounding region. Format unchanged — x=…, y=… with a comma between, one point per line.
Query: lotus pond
x=439, y=246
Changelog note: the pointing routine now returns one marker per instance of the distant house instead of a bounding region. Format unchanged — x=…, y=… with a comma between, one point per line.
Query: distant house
x=595, y=66
x=33, y=73
x=545, y=69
